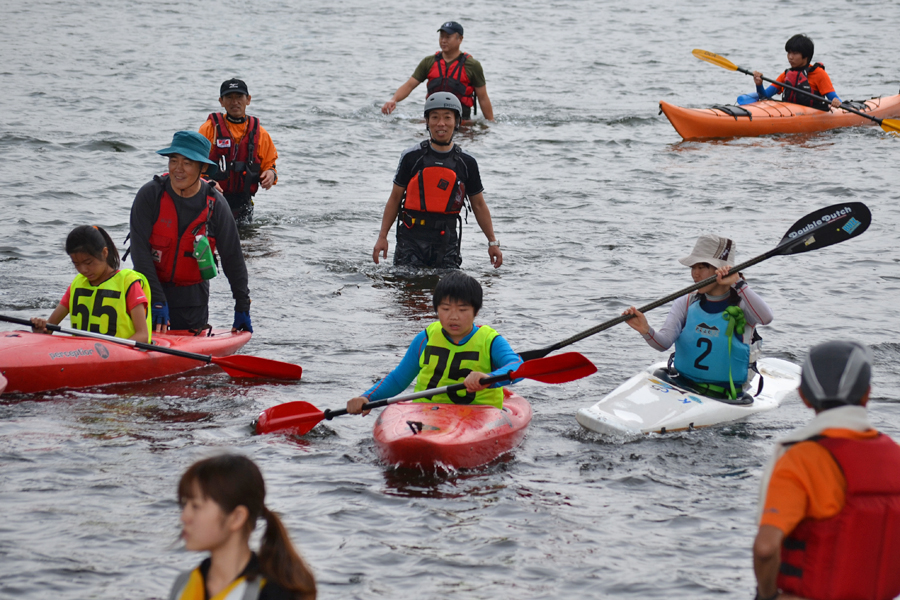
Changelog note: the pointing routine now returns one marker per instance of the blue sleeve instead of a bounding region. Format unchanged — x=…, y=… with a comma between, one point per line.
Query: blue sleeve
x=747, y=99
x=766, y=93
x=832, y=96
x=403, y=374
x=503, y=355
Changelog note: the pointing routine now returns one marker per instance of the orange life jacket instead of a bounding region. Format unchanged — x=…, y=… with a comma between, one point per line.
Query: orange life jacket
x=241, y=172
x=856, y=553
x=436, y=187
x=173, y=255
x=451, y=78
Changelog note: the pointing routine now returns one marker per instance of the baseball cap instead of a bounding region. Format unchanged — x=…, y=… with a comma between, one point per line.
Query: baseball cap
x=451, y=27
x=233, y=86
x=711, y=249
x=836, y=374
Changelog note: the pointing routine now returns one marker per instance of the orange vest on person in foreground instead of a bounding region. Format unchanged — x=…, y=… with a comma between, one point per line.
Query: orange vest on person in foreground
x=173, y=255
x=856, y=553
x=451, y=78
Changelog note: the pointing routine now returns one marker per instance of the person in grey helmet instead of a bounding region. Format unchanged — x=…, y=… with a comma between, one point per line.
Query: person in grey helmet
x=829, y=523
x=433, y=181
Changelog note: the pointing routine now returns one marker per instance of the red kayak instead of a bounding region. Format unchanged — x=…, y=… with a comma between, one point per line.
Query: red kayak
x=35, y=362
x=454, y=436
x=3, y=383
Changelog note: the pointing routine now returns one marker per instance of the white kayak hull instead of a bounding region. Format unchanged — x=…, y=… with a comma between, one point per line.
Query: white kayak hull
x=647, y=404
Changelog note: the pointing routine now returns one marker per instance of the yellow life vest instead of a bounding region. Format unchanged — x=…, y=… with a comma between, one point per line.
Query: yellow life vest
x=102, y=308
x=441, y=364
x=191, y=586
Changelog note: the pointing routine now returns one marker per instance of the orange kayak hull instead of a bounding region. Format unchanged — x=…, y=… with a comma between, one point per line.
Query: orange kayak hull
x=452, y=436
x=770, y=116
x=34, y=362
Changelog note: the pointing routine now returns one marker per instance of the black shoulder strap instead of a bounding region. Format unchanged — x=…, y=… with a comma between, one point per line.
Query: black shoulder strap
x=253, y=130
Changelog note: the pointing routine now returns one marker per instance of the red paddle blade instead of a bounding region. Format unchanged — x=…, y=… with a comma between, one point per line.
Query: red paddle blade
x=557, y=369
x=297, y=418
x=241, y=365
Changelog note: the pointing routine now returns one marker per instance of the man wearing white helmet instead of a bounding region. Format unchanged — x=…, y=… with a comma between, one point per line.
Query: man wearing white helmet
x=829, y=524
x=433, y=181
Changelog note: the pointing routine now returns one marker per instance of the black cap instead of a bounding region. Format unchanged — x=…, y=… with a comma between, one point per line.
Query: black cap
x=233, y=86
x=836, y=374
x=451, y=27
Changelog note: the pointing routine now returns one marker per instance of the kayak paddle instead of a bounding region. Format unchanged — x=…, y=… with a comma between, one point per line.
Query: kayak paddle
x=236, y=366
x=891, y=126
x=298, y=418
x=821, y=228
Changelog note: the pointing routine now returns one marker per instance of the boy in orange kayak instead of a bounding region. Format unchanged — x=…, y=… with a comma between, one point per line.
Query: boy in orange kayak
x=449, y=351
x=808, y=77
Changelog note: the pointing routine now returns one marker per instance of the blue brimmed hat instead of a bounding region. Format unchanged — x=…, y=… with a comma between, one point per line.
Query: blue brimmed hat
x=193, y=146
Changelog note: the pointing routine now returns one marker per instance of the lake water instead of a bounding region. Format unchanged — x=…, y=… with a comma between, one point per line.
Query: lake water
x=594, y=197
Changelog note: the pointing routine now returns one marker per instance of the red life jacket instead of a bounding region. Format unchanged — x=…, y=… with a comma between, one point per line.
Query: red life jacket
x=451, y=78
x=241, y=172
x=799, y=78
x=173, y=256
x=856, y=553
x=436, y=187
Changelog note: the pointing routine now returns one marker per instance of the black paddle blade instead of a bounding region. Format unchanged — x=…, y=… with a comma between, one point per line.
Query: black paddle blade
x=297, y=418
x=824, y=227
x=556, y=369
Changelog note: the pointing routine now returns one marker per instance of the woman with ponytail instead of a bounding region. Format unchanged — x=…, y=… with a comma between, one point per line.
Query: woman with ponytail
x=102, y=298
x=221, y=499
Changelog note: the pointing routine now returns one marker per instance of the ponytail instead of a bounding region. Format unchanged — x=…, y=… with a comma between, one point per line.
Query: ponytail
x=91, y=239
x=279, y=561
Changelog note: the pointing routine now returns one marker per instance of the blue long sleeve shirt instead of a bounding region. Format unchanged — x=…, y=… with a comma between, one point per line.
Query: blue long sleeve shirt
x=503, y=360
x=769, y=92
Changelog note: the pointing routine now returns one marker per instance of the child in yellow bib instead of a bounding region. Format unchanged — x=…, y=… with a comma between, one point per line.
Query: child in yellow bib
x=221, y=499
x=450, y=351
x=102, y=298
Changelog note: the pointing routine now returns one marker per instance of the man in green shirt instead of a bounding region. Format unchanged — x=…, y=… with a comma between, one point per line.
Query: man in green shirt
x=449, y=70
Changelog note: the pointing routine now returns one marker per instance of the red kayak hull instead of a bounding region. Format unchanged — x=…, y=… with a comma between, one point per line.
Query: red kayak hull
x=453, y=436
x=33, y=362
x=3, y=383
x=770, y=116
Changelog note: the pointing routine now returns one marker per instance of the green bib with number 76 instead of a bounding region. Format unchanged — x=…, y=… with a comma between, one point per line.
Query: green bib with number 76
x=444, y=363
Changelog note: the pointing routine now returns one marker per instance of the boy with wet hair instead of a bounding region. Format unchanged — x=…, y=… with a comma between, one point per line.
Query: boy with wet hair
x=449, y=351
x=829, y=506
x=802, y=74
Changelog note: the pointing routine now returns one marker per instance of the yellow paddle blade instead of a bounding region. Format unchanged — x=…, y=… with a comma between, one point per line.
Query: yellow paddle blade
x=892, y=126
x=715, y=59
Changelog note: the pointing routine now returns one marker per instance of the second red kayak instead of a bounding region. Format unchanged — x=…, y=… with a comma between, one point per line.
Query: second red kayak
x=453, y=436
x=34, y=362
x=770, y=116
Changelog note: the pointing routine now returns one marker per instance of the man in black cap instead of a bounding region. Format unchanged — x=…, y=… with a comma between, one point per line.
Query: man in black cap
x=242, y=148
x=449, y=70
x=830, y=496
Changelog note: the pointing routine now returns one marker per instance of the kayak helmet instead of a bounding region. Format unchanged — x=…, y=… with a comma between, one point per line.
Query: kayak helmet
x=443, y=100
x=836, y=374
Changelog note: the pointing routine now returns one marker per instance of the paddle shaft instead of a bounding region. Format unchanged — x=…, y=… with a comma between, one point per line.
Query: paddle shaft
x=456, y=387
x=115, y=340
x=811, y=95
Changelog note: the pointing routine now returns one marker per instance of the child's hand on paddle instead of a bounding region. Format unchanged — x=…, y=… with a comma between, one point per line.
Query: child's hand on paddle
x=638, y=322
x=473, y=381
x=354, y=406
x=39, y=325
x=723, y=278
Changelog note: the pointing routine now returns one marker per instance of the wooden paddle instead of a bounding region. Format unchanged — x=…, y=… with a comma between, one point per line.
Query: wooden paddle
x=824, y=227
x=236, y=366
x=298, y=418
x=891, y=126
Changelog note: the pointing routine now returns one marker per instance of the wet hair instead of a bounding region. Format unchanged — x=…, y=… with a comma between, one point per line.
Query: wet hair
x=802, y=45
x=90, y=239
x=232, y=480
x=836, y=374
x=458, y=286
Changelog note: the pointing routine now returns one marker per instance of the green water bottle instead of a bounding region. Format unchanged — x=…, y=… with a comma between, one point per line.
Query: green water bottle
x=205, y=260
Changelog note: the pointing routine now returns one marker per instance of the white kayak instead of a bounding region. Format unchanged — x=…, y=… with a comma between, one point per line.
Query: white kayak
x=650, y=404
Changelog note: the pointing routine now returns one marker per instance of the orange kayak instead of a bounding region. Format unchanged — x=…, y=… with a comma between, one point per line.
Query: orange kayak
x=453, y=436
x=771, y=116
x=35, y=362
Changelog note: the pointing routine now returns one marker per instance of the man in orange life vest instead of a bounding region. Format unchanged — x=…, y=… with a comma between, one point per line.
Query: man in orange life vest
x=432, y=182
x=241, y=148
x=168, y=216
x=830, y=496
x=449, y=70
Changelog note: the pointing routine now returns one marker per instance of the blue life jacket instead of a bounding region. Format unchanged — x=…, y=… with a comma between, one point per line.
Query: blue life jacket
x=701, y=351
